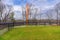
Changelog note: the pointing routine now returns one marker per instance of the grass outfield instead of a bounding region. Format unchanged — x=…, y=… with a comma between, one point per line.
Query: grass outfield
x=33, y=33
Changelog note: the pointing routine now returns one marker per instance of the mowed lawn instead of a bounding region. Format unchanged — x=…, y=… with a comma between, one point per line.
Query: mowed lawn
x=32, y=32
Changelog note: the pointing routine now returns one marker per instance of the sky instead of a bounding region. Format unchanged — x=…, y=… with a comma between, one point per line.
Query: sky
x=43, y=4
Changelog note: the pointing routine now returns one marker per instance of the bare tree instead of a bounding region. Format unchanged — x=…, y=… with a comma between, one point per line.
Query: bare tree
x=33, y=14
x=57, y=9
x=9, y=15
x=23, y=13
x=50, y=16
x=2, y=6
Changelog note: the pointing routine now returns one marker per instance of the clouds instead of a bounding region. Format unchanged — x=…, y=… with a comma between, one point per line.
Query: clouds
x=19, y=8
x=35, y=2
x=8, y=2
x=14, y=2
x=44, y=4
x=40, y=4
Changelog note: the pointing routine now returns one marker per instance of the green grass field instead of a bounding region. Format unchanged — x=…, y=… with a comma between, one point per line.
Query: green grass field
x=33, y=33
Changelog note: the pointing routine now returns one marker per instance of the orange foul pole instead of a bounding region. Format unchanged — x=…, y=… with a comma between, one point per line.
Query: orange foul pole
x=27, y=13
